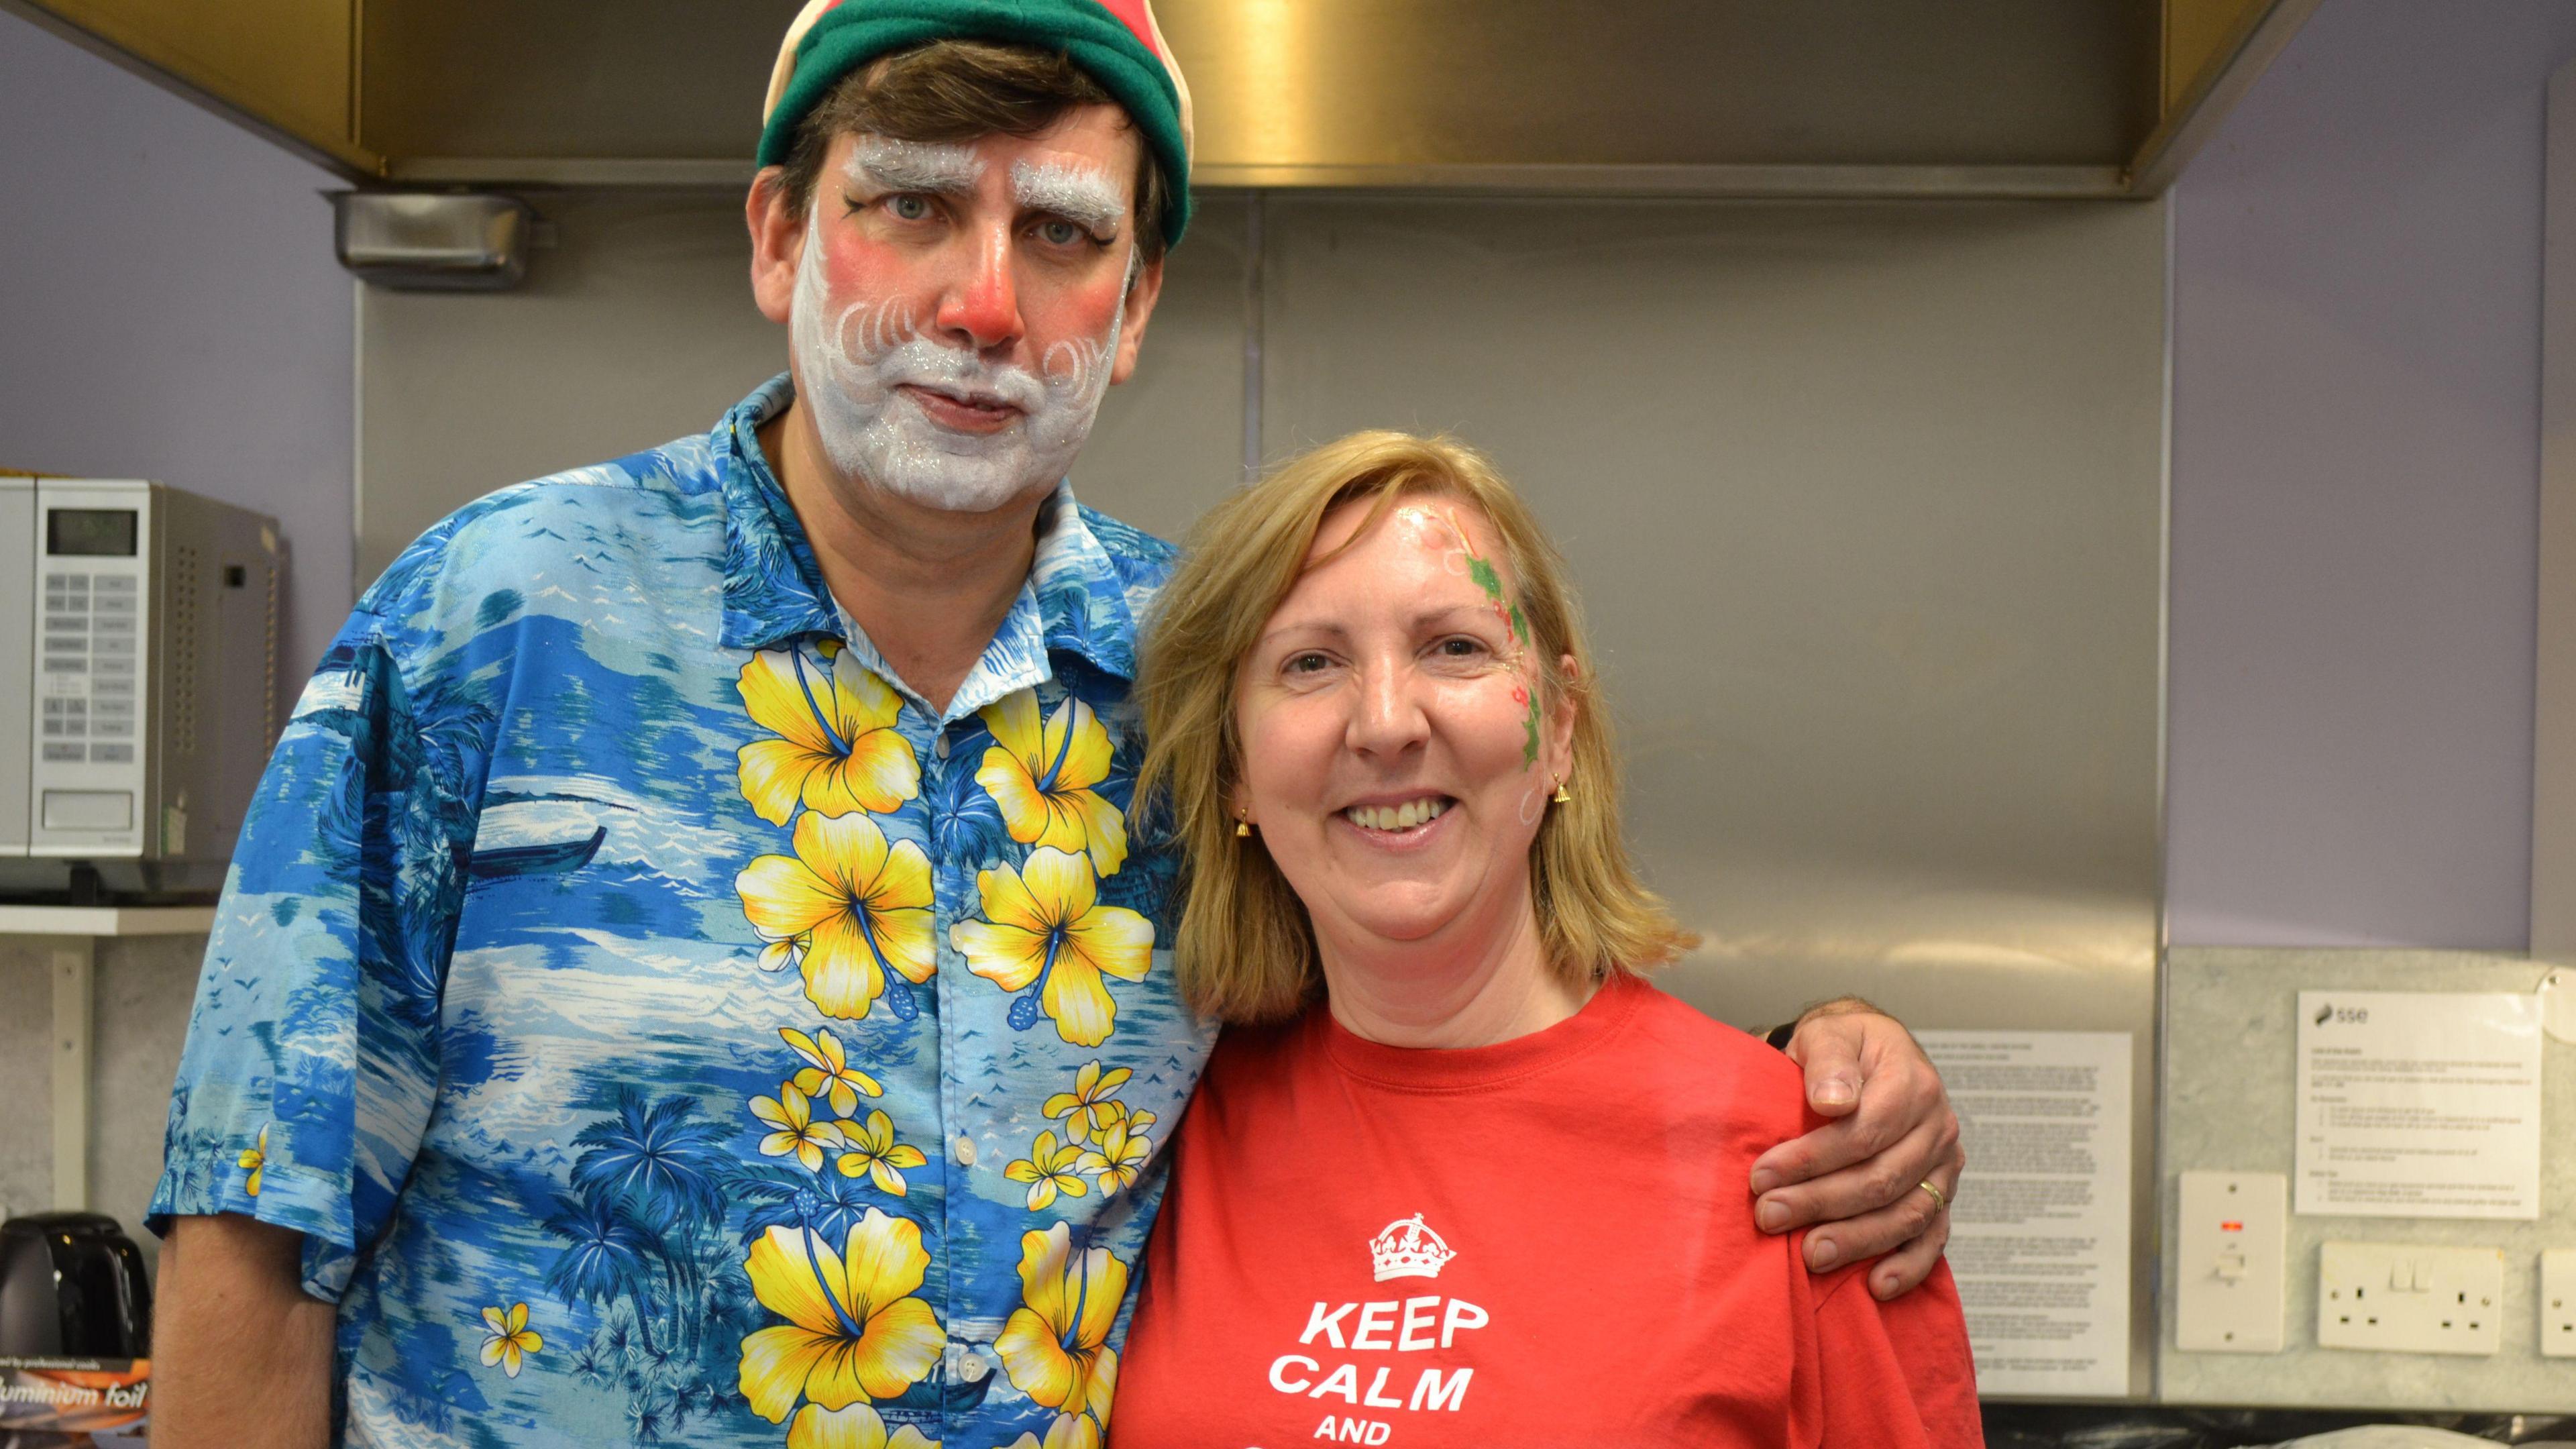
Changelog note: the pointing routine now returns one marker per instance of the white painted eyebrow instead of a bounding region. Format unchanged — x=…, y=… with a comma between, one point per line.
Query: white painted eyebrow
x=940, y=169
x=1080, y=195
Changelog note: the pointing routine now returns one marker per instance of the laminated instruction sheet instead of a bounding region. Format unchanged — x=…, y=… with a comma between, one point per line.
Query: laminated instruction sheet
x=2039, y=1234
x=2419, y=1104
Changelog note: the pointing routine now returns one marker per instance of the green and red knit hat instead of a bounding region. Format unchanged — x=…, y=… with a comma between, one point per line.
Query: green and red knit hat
x=1116, y=42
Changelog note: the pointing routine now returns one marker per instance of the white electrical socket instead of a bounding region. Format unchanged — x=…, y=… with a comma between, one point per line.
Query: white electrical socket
x=2409, y=1298
x=2232, y=1262
x=2558, y=1303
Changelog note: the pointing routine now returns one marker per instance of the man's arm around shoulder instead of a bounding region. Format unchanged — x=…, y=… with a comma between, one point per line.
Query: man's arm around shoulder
x=241, y=1356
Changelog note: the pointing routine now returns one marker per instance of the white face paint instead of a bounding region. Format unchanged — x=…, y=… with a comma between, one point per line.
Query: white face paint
x=854, y=354
x=1078, y=194
x=892, y=165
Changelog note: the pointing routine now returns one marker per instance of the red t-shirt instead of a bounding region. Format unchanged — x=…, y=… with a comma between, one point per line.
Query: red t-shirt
x=1543, y=1242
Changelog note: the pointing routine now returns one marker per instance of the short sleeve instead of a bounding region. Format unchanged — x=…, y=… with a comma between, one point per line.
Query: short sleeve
x=1894, y=1375
x=311, y=1061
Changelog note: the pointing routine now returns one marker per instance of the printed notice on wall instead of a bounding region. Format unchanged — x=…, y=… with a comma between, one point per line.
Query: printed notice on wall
x=2039, y=1235
x=2419, y=1104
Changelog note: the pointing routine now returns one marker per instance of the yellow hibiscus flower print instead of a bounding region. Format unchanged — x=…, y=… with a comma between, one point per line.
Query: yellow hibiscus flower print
x=1042, y=777
x=854, y=1427
x=837, y=750
x=1045, y=933
x=1089, y=1106
x=1069, y=1431
x=1048, y=1170
x=507, y=1338
x=827, y=1067
x=1055, y=1344
x=1118, y=1155
x=790, y=1116
x=874, y=1151
x=854, y=1329
x=255, y=1159
x=850, y=911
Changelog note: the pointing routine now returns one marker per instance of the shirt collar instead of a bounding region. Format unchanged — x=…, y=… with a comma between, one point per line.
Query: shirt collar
x=1073, y=600
x=1080, y=593
x=773, y=592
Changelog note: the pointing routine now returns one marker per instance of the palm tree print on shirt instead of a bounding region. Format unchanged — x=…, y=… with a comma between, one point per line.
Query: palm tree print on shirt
x=643, y=1247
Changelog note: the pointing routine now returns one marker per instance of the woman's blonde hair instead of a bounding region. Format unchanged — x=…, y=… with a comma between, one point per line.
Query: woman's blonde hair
x=1245, y=949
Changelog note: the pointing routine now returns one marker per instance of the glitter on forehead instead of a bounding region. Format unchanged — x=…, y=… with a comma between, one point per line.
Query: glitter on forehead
x=934, y=167
x=1428, y=527
x=1075, y=193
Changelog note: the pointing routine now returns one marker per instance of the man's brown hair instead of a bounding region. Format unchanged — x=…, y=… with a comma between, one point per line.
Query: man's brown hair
x=952, y=91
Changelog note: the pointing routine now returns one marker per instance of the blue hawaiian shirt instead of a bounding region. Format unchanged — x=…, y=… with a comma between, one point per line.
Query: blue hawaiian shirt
x=662, y=1024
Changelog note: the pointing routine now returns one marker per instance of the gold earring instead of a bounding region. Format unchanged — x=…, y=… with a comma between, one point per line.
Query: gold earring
x=1242, y=827
x=1560, y=797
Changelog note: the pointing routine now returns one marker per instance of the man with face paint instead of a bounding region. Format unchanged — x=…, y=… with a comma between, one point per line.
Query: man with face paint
x=689, y=974
x=871, y=377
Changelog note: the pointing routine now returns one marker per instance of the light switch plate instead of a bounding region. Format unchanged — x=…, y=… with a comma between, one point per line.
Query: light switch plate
x=2558, y=1303
x=2232, y=1262
x=2409, y=1298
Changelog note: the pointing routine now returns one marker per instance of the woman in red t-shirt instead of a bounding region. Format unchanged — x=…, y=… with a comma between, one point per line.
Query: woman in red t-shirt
x=1489, y=1189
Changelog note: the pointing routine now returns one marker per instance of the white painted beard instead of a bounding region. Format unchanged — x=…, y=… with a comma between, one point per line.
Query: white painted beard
x=853, y=357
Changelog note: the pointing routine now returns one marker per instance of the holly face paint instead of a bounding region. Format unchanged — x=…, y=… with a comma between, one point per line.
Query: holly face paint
x=1489, y=581
x=877, y=384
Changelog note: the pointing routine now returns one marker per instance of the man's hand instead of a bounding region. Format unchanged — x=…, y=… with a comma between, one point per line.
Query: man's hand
x=241, y=1358
x=1860, y=1176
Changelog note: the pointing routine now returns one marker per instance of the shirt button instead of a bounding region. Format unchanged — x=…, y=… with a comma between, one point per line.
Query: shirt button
x=939, y=746
x=964, y=1149
x=971, y=1367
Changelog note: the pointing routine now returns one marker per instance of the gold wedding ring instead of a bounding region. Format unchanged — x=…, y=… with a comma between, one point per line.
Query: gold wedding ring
x=1940, y=1199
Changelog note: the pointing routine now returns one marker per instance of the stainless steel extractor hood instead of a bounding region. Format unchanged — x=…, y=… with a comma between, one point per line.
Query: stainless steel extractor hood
x=2098, y=98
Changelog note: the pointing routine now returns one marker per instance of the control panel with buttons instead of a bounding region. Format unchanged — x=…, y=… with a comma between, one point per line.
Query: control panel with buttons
x=92, y=651
x=95, y=545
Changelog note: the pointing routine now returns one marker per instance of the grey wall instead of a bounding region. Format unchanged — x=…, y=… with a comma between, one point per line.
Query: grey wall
x=2355, y=486
x=634, y=328
x=1865, y=500
x=169, y=309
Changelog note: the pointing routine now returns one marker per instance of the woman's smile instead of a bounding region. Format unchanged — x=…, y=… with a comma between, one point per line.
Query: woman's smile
x=1404, y=822
x=1387, y=832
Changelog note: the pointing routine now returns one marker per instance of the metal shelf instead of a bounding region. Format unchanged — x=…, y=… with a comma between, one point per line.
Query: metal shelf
x=106, y=920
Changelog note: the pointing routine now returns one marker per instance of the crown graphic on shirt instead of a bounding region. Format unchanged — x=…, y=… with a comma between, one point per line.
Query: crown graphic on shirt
x=1407, y=1248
